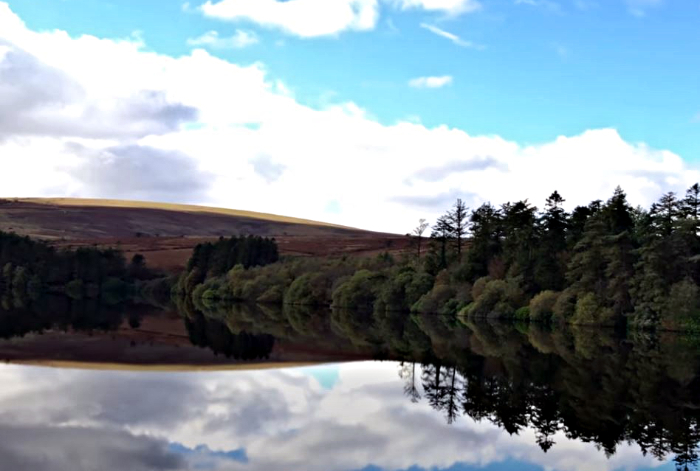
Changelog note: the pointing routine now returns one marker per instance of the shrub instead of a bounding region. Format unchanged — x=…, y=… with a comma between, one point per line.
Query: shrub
x=589, y=311
x=273, y=295
x=682, y=307
x=435, y=300
x=523, y=313
x=542, y=306
x=499, y=298
x=360, y=291
x=479, y=286
x=311, y=289
x=565, y=306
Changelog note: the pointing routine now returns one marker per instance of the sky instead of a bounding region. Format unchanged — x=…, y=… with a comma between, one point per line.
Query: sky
x=273, y=419
x=367, y=113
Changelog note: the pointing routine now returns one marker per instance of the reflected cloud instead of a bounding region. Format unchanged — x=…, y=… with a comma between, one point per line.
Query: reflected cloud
x=263, y=420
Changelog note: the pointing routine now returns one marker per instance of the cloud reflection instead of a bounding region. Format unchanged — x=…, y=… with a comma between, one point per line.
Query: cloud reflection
x=264, y=420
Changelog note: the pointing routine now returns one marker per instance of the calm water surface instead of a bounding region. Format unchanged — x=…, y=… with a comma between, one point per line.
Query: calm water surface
x=131, y=388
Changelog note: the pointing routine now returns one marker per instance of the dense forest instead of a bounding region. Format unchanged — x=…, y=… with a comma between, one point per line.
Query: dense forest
x=31, y=267
x=606, y=264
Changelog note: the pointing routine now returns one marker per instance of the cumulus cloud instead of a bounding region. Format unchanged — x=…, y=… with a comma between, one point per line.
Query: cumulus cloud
x=304, y=18
x=435, y=174
x=315, y=18
x=71, y=448
x=430, y=82
x=70, y=108
x=453, y=7
x=452, y=37
x=434, y=202
x=138, y=172
x=239, y=40
x=203, y=129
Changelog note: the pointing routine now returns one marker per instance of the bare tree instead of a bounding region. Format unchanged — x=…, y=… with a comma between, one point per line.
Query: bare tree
x=419, y=230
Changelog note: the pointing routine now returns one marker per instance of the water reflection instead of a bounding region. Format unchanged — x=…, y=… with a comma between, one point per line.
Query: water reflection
x=452, y=395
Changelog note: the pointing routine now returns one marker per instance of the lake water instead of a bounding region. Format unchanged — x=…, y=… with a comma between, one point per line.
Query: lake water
x=88, y=387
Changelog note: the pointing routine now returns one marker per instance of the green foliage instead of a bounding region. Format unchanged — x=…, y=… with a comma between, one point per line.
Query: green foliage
x=602, y=264
x=436, y=300
x=565, y=306
x=499, y=299
x=591, y=311
x=359, y=292
x=542, y=306
x=215, y=259
x=479, y=286
x=682, y=307
x=310, y=289
x=523, y=313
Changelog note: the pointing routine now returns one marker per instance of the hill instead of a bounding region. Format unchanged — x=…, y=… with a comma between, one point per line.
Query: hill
x=166, y=233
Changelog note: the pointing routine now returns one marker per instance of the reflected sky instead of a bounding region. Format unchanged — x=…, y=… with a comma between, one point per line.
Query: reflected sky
x=337, y=417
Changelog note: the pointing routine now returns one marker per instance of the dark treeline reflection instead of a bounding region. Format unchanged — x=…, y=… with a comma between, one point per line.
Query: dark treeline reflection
x=218, y=337
x=593, y=385
x=19, y=317
x=588, y=384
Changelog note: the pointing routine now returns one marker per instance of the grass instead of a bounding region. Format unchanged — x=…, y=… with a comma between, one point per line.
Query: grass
x=111, y=203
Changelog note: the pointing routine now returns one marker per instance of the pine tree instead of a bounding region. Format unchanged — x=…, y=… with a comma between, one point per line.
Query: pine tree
x=550, y=271
x=520, y=242
x=486, y=240
x=586, y=270
x=458, y=224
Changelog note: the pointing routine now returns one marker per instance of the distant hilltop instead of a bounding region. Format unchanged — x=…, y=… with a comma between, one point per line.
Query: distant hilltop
x=166, y=233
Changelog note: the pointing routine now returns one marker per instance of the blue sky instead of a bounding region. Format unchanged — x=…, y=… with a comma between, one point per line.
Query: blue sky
x=544, y=71
x=519, y=72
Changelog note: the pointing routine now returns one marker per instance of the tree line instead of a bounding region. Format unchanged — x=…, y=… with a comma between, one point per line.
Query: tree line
x=31, y=267
x=600, y=264
x=606, y=263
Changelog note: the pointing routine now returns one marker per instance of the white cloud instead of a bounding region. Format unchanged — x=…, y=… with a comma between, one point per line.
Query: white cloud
x=315, y=18
x=452, y=37
x=282, y=419
x=430, y=82
x=238, y=138
x=304, y=18
x=239, y=40
x=453, y=7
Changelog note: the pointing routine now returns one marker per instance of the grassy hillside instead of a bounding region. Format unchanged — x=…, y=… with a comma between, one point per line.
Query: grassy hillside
x=166, y=233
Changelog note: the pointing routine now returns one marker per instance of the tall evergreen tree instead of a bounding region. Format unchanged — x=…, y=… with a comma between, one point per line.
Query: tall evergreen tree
x=442, y=230
x=619, y=253
x=520, y=241
x=486, y=239
x=550, y=270
x=458, y=219
x=586, y=270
